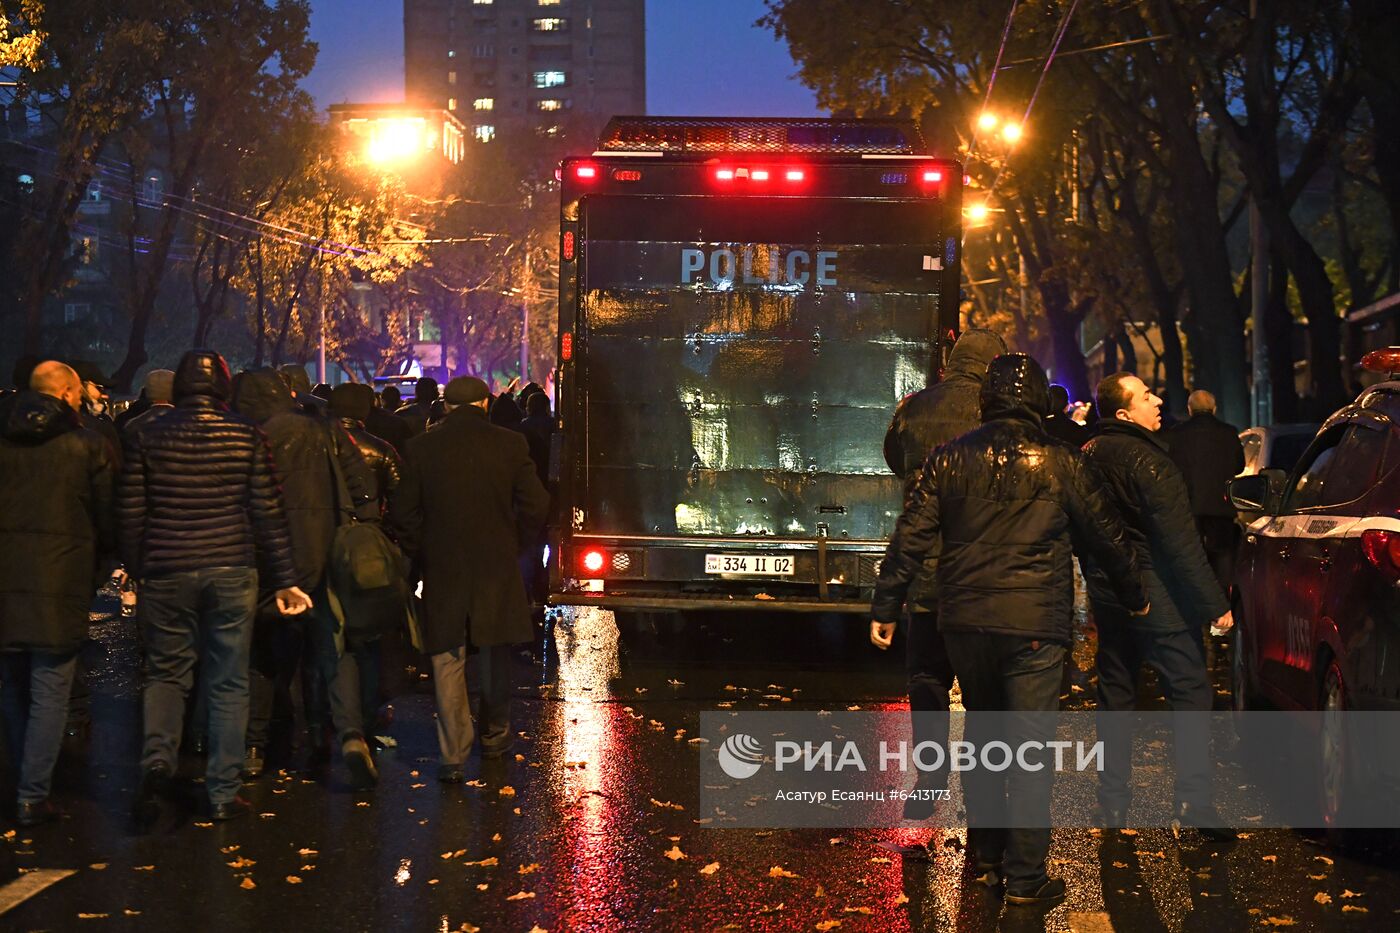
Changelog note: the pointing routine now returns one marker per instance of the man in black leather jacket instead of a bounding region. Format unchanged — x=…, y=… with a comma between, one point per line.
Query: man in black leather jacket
x=200, y=512
x=1146, y=487
x=930, y=417
x=1005, y=500
x=351, y=405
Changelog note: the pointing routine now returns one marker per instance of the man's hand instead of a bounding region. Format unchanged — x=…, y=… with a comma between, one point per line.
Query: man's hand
x=1141, y=612
x=881, y=634
x=292, y=601
x=1223, y=624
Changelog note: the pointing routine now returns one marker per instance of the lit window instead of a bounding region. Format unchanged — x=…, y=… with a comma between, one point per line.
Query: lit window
x=452, y=77
x=482, y=2
x=484, y=103
x=549, y=104
x=549, y=2
x=483, y=132
x=551, y=79
x=551, y=24
x=94, y=190
x=451, y=103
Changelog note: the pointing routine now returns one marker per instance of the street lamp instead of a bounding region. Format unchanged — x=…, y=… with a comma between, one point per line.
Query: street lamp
x=987, y=122
x=396, y=139
x=1011, y=132
x=977, y=213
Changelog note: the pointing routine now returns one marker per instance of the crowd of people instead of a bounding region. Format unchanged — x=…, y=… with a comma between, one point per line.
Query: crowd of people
x=268, y=533
x=1003, y=490
x=273, y=532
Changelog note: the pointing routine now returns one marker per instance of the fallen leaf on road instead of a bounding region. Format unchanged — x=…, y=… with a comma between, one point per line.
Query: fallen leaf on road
x=857, y=910
x=1323, y=859
x=1279, y=922
x=1352, y=908
x=491, y=862
x=674, y=853
x=828, y=925
x=228, y=850
x=507, y=791
x=482, y=887
x=496, y=838
x=901, y=898
x=204, y=825
x=522, y=896
x=880, y=860
x=131, y=913
x=144, y=868
x=98, y=866
x=1120, y=864
x=1317, y=877
x=360, y=803
x=778, y=871
x=699, y=741
x=293, y=879
x=528, y=869
x=477, y=783
x=1127, y=832
x=468, y=928
x=248, y=884
x=676, y=683
x=666, y=804
x=538, y=929
x=1347, y=893
x=1270, y=858
x=710, y=869
x=93, y=916
x=820, y=892
x=835, y=841
x=1322, y=897
x=307, y=853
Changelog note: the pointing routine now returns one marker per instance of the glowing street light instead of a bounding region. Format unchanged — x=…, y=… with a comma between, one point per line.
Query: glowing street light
x=1011, y=132
x=395, y=140
x=977, y=213
x=987, y=121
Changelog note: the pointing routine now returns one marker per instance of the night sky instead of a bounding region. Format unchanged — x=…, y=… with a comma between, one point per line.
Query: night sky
x=703, y=58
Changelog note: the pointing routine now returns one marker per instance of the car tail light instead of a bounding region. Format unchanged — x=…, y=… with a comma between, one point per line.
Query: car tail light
x=794, y=174
x=586, y=171
x=567, y=247
x=724, y=174
x=593, y=561
x=566, y=346
x=932, y=176
x=1383, y=551
x=759, y=174
x=626, y=174
x=1382, y=361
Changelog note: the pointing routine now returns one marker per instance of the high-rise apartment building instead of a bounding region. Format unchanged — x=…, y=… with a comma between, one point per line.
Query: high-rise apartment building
x=509, y=66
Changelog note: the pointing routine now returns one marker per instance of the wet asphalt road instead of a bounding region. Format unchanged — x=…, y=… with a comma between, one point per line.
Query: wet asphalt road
x=572, y=831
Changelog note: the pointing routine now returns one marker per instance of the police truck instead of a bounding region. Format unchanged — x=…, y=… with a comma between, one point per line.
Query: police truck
x=742, y=303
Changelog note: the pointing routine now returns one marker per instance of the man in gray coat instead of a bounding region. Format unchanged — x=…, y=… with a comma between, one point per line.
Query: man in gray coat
x=469, y=498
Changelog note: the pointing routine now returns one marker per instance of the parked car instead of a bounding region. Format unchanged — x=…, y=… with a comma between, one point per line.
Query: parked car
x=1276, y=447
x=1317, y=595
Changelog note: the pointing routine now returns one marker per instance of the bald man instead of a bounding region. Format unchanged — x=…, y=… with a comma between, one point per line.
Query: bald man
x=1209, y=455
x=56, y=523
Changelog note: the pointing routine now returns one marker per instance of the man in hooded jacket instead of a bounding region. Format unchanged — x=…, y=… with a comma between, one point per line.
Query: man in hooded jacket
x=923, y=421
x=57, y=482
x=303, y=447
x=1004, y=501
x=200, y=513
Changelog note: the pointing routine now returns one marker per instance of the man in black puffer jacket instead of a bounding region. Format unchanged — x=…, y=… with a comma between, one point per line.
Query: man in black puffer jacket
x=1147, y=488
x=200, y=513
x=1005, y=500
x=302, y=447
x=57, y=483
x=923, y=421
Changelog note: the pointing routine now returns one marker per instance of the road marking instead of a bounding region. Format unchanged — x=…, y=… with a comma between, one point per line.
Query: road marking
x=1090, y=923
x=29, y=884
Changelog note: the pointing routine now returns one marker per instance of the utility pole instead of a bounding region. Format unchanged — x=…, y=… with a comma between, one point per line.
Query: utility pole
x=525, y=319
x=321, y=309
x=1262, y=396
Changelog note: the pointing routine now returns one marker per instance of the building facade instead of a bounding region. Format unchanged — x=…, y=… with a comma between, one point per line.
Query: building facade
x=526, y=66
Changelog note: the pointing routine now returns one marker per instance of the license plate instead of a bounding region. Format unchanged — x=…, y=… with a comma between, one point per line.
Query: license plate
x=754, y=565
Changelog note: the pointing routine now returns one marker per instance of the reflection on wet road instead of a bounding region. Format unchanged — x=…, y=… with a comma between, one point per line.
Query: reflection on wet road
x=592, y=823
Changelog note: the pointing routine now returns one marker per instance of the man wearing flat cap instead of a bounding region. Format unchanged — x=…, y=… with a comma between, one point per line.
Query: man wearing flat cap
x=469, y=497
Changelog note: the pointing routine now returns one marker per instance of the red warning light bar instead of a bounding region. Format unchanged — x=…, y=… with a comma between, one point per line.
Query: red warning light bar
x=586, y=171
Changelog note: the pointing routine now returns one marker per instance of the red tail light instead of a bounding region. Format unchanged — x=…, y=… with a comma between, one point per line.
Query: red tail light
x=626, y=174
x=586, y=171
x=567, y=247
x=724, y=174
x=1383, y=551
x=794, y=174
x=932, y=176
x=759, y=174
x=593, y=561
x=566, y=346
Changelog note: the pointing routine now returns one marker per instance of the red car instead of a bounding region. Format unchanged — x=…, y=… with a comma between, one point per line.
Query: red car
x=1317, y=587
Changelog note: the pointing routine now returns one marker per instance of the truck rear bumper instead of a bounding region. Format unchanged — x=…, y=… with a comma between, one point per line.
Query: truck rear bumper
x=702, y=603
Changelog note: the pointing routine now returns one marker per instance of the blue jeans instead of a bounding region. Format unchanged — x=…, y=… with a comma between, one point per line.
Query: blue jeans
x=1008, y=812
x=34, y=691
x=205, y=615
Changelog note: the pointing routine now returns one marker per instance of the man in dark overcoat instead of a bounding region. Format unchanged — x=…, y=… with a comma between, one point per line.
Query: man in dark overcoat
x=469, y=498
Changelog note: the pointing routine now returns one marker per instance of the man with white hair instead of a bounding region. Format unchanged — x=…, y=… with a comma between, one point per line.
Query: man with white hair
x=1209, y=455
x=56, y=521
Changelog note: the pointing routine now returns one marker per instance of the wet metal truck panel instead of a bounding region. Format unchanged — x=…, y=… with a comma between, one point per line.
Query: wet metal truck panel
x=738, y=320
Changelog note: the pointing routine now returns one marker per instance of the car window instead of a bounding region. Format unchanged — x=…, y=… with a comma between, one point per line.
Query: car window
x=1251, y=444
x=1286, y=450
x=1356, y=466
x=1311, y=475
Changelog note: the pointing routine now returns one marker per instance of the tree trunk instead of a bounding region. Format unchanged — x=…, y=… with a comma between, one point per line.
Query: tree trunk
x=1278, y=337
